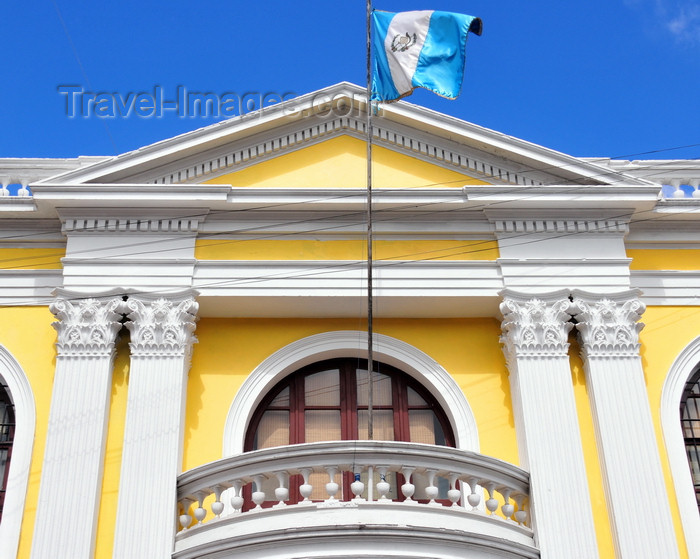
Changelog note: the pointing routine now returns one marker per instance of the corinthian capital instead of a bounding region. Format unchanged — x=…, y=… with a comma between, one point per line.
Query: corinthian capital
x=535, y=325
x=162, y=325
x=608, y=324
x=86, y=325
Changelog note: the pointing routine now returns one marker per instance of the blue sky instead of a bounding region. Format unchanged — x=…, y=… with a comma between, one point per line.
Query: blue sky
x=612, y=78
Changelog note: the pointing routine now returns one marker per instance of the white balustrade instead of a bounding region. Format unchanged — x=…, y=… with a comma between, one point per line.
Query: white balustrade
x=433, y=476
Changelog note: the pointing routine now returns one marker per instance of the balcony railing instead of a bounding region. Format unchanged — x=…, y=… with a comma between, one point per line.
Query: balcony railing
x=374, y=485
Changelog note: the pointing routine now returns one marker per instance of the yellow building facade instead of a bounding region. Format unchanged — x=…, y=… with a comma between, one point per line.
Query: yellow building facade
x=165, y=315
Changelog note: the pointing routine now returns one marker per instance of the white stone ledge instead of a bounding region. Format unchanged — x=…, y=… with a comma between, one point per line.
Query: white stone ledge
x=668, y=287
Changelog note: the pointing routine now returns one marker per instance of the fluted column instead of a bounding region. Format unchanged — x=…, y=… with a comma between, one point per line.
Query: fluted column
x=161, y=342
x=71, y=477
x=535, y=334
x=634, y=483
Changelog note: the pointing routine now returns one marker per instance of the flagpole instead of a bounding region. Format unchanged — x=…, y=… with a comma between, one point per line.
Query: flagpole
x=370, y=357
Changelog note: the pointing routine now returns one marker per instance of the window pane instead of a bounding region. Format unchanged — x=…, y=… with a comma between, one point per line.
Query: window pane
x=3, y=464
x=282, y=399
x=273, y=430
x=381, y=386
x=323, y=389
x=383, y=425
x=425, y=427
x=415, y=399
x=322, y=425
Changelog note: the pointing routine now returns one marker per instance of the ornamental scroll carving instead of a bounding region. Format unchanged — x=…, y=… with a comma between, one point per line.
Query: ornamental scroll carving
x=87, y=326
x=535, y=325
x=609, y=325
x=162, y=325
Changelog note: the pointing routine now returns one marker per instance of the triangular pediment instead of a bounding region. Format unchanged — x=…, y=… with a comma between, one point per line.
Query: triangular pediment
x=319, y=139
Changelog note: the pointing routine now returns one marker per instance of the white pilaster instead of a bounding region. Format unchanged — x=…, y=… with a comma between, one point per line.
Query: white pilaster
x=535, y=334
x=161, y=342
x=634, y=483
x=71, y=478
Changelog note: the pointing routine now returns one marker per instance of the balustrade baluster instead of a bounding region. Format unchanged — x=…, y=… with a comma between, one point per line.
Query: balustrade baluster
x=332, y=487
x=454, y=494
x=258, y=495
x=357, y=487
x=306, y=488
x=507, y=509
x=474, y=498
x=408, y=489
x=185, y=518
x=431, y=491
x=521, y=513
x=383, y=486
x=492, y=503
x=281, y=492
x=217, y=507
x=237, y=500
x=200, y=513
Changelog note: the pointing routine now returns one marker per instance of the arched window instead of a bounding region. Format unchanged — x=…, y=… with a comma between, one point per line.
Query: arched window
x=328, y=401
x=7, y=433
x=690, y=423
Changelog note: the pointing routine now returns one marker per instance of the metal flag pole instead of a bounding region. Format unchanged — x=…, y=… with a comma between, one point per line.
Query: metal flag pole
x=370, y=357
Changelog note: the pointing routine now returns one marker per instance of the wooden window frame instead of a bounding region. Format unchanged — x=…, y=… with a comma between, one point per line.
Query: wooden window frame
x=348, y=408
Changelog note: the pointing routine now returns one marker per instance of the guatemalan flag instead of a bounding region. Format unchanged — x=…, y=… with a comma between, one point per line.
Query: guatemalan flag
x=419, y=49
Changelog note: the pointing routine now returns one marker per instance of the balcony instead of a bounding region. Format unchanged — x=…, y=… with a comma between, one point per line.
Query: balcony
x=355, y=499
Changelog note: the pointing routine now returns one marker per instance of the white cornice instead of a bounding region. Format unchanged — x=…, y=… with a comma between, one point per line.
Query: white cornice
x=27, y=170
x=400, y=126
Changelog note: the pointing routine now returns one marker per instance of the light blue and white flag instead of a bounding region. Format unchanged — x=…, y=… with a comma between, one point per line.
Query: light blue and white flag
x=419, y=49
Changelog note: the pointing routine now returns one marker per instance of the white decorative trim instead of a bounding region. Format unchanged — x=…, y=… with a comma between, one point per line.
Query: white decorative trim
x=162, y=330
x=535, y=326
x=25, y=423
x=683, y=366
x=608, y=327
x=405, y=123
x=609, y=324
x=349, y=344
x=71, y=476
x=535, y=338
x=87, y=326
x=126, y=225
x=161, y=325
x=560, y=225
x=408, y=142
x=668, y=287
x=28, y=287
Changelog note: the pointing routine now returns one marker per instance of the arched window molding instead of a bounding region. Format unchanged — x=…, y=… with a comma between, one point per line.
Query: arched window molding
x=671, y=394
x=25, y=421
x=350, y=344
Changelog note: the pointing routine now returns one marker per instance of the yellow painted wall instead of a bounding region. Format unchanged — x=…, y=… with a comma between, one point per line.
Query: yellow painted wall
x=232, y=249
x=601, y=518
x=664, y=259
x=668, y=331
x=342, y=163
x=27, y=334
x=107, y=515
x=31, y=258
x=229, y=349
